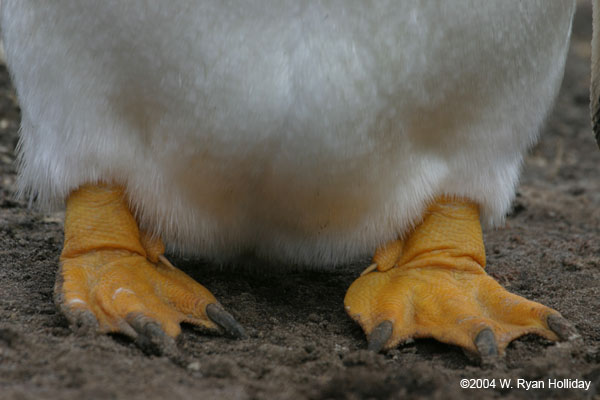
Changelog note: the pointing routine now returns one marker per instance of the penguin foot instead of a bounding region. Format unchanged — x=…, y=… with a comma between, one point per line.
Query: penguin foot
x=433, y=285
x=114, y=278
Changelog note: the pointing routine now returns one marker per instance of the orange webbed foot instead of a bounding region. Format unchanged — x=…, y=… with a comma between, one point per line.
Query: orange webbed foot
x=434, y=285
x=115, y=279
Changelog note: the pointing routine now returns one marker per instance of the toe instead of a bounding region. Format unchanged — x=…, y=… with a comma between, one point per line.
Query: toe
x=561, y=327
x=150, y=336
x=516, y=315
x=387, y=256
x=380, y=336
x=71, y=297
x=80, y=319
x=222, y=318
x=188, y=297
x=508, y=307
x=485, y=342
x=362, y=297
x=118, y=304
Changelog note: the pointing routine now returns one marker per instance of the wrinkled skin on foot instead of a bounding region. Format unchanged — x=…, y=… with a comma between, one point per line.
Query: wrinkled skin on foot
x=433, y=285
x=115, y=279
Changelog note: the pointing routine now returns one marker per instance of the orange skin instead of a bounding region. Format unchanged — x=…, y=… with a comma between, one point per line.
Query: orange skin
x=114, y=278
x=117, y=273
x=433, y=285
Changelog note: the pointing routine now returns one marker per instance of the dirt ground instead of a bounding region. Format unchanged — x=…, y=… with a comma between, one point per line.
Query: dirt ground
x=302, y=344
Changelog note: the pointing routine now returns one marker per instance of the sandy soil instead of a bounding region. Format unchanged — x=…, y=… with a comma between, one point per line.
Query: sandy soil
x=302, y=345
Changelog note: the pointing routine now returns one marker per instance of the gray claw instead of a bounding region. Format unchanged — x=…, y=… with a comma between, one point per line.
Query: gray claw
x=150, y=336
x=219, y=316
x=486, y=343
x=563, y=328
x=380, y=335
x=80, y=321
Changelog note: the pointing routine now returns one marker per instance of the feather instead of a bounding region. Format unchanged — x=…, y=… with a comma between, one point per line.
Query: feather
x=303, y=131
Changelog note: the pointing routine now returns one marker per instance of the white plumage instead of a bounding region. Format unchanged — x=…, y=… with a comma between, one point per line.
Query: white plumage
x=308, y=132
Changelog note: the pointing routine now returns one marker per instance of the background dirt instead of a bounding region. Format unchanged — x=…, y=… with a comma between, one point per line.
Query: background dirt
x=301, y=343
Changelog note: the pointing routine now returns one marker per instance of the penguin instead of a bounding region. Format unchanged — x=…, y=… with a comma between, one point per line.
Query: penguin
x=307, y=133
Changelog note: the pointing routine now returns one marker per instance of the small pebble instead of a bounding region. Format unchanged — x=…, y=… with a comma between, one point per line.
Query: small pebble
x=194, y=366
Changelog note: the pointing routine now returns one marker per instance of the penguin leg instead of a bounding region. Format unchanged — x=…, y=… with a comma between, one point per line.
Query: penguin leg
x=114, y=278
x=433, y=284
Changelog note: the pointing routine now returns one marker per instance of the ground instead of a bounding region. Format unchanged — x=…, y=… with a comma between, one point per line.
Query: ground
x=302, y=344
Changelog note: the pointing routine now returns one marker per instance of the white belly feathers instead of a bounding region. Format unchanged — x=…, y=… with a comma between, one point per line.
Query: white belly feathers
x=308, y=132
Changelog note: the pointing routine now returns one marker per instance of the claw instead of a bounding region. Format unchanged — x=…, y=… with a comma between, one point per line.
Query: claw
x=486, y=343
x=81, y=321
x=563, y=328
x=380, y=335
x=370, y=268
x=219, y=316
x=150, y=336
